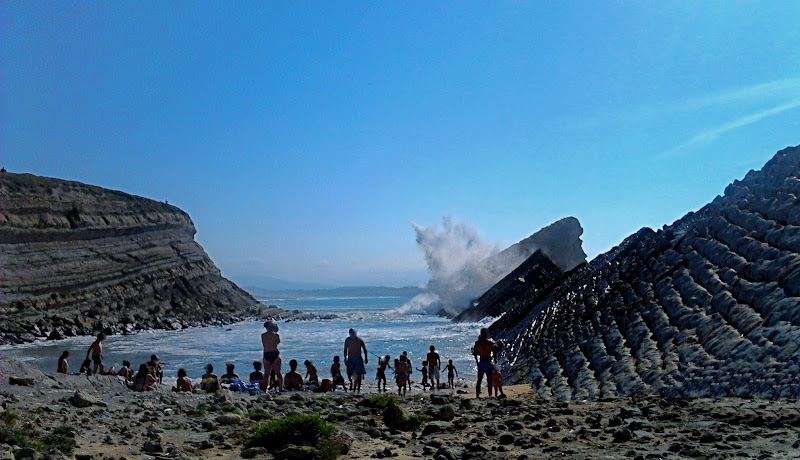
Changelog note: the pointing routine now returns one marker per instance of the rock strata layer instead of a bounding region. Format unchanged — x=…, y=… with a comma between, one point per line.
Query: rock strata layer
x=706, y=307
x=78, y=259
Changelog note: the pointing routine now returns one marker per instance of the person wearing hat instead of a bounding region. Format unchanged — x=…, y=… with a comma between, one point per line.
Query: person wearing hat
x=155, y=368
x=229, y=374
x=272, y=359
x=209, y=382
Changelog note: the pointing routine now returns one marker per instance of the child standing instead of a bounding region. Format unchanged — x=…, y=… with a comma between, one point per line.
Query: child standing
x=450, y=370
x=424, y=371
x=496, y=381
x=380, y=376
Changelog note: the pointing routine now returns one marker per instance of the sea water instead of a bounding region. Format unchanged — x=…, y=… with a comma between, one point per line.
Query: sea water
x=378, y=320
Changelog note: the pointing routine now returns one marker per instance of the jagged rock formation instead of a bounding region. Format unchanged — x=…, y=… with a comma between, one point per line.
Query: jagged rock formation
x=559, y=241
x=534, y=275
x=76, y=259
x=706, y=307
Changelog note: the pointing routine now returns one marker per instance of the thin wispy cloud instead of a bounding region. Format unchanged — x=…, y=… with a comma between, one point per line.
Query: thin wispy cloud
x=713, y=133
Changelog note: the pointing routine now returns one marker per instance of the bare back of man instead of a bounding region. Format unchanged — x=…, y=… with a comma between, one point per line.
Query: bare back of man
x=352, y=358
x=484, y=351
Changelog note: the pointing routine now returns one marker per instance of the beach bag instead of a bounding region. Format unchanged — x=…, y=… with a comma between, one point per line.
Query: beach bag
x=325, y=386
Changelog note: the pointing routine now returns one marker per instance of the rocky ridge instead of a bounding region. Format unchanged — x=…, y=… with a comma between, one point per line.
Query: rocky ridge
x=706, y=307
x=78, y=259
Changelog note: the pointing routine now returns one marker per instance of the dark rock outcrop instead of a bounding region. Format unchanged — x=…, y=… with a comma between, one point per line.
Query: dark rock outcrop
x=534, y=275
x=78, y=259
x=706, y=307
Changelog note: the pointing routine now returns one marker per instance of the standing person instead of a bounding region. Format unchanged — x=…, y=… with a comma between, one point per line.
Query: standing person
x=434, y=364
x=380, y=376
x=272, y=358
x=450, y=369
x=410, y=367
x=352, y=358
x=424, y=371
x=401, y=368
x=96, y=350
x=63, y=365
x=484, y=349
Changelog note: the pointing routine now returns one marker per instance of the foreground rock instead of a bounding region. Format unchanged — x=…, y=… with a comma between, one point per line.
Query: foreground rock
x=167, y=425
x=706, y=307
x=79, y=259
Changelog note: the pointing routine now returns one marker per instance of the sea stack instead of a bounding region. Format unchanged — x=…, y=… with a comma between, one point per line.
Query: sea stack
x=78, y=259
x=706, y=307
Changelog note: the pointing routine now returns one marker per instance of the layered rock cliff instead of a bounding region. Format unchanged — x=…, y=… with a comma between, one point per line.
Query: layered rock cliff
x=706, y=307
x=78, y=259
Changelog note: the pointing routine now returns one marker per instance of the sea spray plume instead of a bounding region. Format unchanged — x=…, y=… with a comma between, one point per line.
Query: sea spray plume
x=456, y=256
x=462, y=266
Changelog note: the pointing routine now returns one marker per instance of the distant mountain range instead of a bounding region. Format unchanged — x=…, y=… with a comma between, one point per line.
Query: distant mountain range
x=348, y=291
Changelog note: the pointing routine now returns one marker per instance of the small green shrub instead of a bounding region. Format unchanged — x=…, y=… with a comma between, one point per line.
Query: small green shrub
x=394, y=417
x=381, y=401
x=61, y=438
x=299, y=430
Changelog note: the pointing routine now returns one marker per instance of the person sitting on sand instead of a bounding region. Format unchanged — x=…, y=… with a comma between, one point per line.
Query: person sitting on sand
x=144, y=380
x=184, y=383
x=126, y=371
x=495, y=382
x=96, y=350
x=293, y=380
x=380, y=376
x=156, y=369
x=311, y=373
x=450, y=369
x=336, y=374
x=209, y=382
x=257, y=377
x=401, y=374
x=63, y=365
x=272, y=359
x=352, y=357
x=424, y=371
x=484, y=349
x=229, y=375
x=434, y=364
x=86, y=367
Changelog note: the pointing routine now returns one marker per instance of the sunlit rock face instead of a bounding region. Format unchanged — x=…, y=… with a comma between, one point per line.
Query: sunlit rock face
x=79, y=259
x=706, y=307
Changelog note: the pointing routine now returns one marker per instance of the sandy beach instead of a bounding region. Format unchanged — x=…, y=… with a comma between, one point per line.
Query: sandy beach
x=113, y=422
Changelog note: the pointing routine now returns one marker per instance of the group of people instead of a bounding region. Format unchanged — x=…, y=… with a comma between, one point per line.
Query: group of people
x=267, y=373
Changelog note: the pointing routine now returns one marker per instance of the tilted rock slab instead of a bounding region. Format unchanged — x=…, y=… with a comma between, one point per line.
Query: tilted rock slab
x=706, y=307
x=78, y=259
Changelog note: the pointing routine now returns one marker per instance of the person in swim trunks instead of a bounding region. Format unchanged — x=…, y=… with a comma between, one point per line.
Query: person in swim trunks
x=484, y=349
x=272, y=358
x=380, y=376
x=434, y=365
x=352, y=358
x=401, y=368
x=96, y=349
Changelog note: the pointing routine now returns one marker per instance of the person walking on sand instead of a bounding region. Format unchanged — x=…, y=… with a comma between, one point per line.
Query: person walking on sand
x=272, y=358
x=380, y=376
x=352, y=358
x=96, y=350
x=434, y=365
x=484, y=349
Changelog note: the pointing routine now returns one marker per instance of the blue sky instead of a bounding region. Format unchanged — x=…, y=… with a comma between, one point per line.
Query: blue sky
x=304, y=138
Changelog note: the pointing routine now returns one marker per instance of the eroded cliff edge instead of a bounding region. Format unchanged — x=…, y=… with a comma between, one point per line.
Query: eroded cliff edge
x=78, y=259
x=706, y=307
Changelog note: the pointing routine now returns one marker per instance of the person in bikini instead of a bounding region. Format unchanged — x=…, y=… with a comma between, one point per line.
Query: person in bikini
x=401, y=368
x=272, y=358
x=484, y=349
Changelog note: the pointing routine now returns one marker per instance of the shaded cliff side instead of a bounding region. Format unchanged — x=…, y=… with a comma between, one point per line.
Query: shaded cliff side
x=706, y=307
x=77, y=259
x=532, y=276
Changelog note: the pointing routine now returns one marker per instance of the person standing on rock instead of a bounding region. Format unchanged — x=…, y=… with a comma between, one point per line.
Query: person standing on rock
x=272, y=358
x=352, y=358
x=434, y=366
x=96, y=350
x=484, y=349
